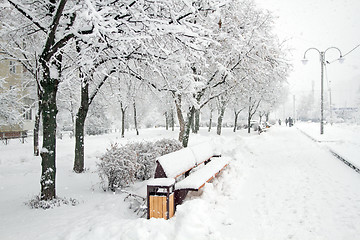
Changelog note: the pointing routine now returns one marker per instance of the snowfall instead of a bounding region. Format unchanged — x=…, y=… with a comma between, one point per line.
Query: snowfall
x=282, y=184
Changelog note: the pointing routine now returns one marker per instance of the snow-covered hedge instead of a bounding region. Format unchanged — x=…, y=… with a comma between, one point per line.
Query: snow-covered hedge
x=122, y=165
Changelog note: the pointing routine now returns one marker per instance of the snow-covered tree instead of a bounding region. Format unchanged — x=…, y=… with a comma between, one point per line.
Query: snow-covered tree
x=61, y=23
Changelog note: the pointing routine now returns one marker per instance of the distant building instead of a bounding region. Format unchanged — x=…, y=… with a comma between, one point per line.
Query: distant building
x=13, y=76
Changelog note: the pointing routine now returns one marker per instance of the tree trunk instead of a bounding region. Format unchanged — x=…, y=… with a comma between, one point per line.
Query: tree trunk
x=197, y=121
x=192, y=125
x=51, y=71
x=181, y=119
x=253, y=106
x=210, y=122
x=267, y=117
x=249, y=118
x=38, y=114
x=36, y=130
x=123, y=109
x=236, y=120
x=48, y=152
x=72, y=113
x=79, y=129
x=166, y=121
x=172, y=120
x=135, y=119
x=220, y=119
x=189, y=120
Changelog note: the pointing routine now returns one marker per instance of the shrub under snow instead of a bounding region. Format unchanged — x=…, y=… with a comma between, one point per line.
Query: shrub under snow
x=56, y=202
x=122, y=165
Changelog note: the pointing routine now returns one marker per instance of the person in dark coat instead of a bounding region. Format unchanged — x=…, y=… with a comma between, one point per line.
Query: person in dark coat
x=290, y=122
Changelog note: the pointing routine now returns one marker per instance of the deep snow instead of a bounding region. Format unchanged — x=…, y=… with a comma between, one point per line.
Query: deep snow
x=279, y=185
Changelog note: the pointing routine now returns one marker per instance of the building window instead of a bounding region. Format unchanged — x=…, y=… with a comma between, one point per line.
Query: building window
x=12, y=67
x=28, y=114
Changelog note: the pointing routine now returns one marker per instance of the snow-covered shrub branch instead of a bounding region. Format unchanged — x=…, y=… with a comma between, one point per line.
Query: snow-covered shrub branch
x=121, y=166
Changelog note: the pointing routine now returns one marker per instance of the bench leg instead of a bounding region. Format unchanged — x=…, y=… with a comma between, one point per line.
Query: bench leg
x=180, y=196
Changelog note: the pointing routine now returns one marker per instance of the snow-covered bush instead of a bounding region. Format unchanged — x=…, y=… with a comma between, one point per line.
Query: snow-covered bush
x=118, y=166
x=56, y=202
x=147, y=152
x=121, y=166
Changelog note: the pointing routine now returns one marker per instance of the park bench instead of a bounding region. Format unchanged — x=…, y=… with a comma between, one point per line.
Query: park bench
x=6, y=136
x=189, y=168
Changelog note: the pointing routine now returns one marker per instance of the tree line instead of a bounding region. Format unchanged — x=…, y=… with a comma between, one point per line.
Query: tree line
x=188, y=54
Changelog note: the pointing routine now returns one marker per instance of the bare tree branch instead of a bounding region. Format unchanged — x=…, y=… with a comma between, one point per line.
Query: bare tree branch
x=27, y=15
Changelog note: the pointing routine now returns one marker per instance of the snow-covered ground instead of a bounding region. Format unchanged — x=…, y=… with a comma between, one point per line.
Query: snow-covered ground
x=279, y=185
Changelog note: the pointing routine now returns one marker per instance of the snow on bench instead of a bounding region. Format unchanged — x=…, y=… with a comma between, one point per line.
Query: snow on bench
x=191, y=168
x=205, y=174
x=177, y=163
x=204, y=151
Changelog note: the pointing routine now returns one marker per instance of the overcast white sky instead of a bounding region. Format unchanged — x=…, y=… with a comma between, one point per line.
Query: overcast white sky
x=321, y=24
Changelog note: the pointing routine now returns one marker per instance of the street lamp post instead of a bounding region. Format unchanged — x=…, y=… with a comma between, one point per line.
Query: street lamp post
x=322, y=63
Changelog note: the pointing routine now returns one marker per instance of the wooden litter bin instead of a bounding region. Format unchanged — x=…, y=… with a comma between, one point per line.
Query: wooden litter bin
x=160, y=198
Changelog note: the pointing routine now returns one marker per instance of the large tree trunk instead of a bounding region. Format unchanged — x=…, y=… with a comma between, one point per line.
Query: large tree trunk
x=79, y=129
x=189, y=120
x=48, y=152
x=220, y=119
x=50, y=62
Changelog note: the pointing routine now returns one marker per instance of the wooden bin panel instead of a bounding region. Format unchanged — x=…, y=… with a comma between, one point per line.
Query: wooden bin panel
x=171, y=207
x=157, y=206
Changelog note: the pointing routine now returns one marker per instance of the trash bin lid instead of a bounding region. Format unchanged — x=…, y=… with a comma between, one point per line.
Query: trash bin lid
x=161, y=182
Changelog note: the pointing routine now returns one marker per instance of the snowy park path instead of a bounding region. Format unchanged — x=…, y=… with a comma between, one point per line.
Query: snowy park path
x=292, y=189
